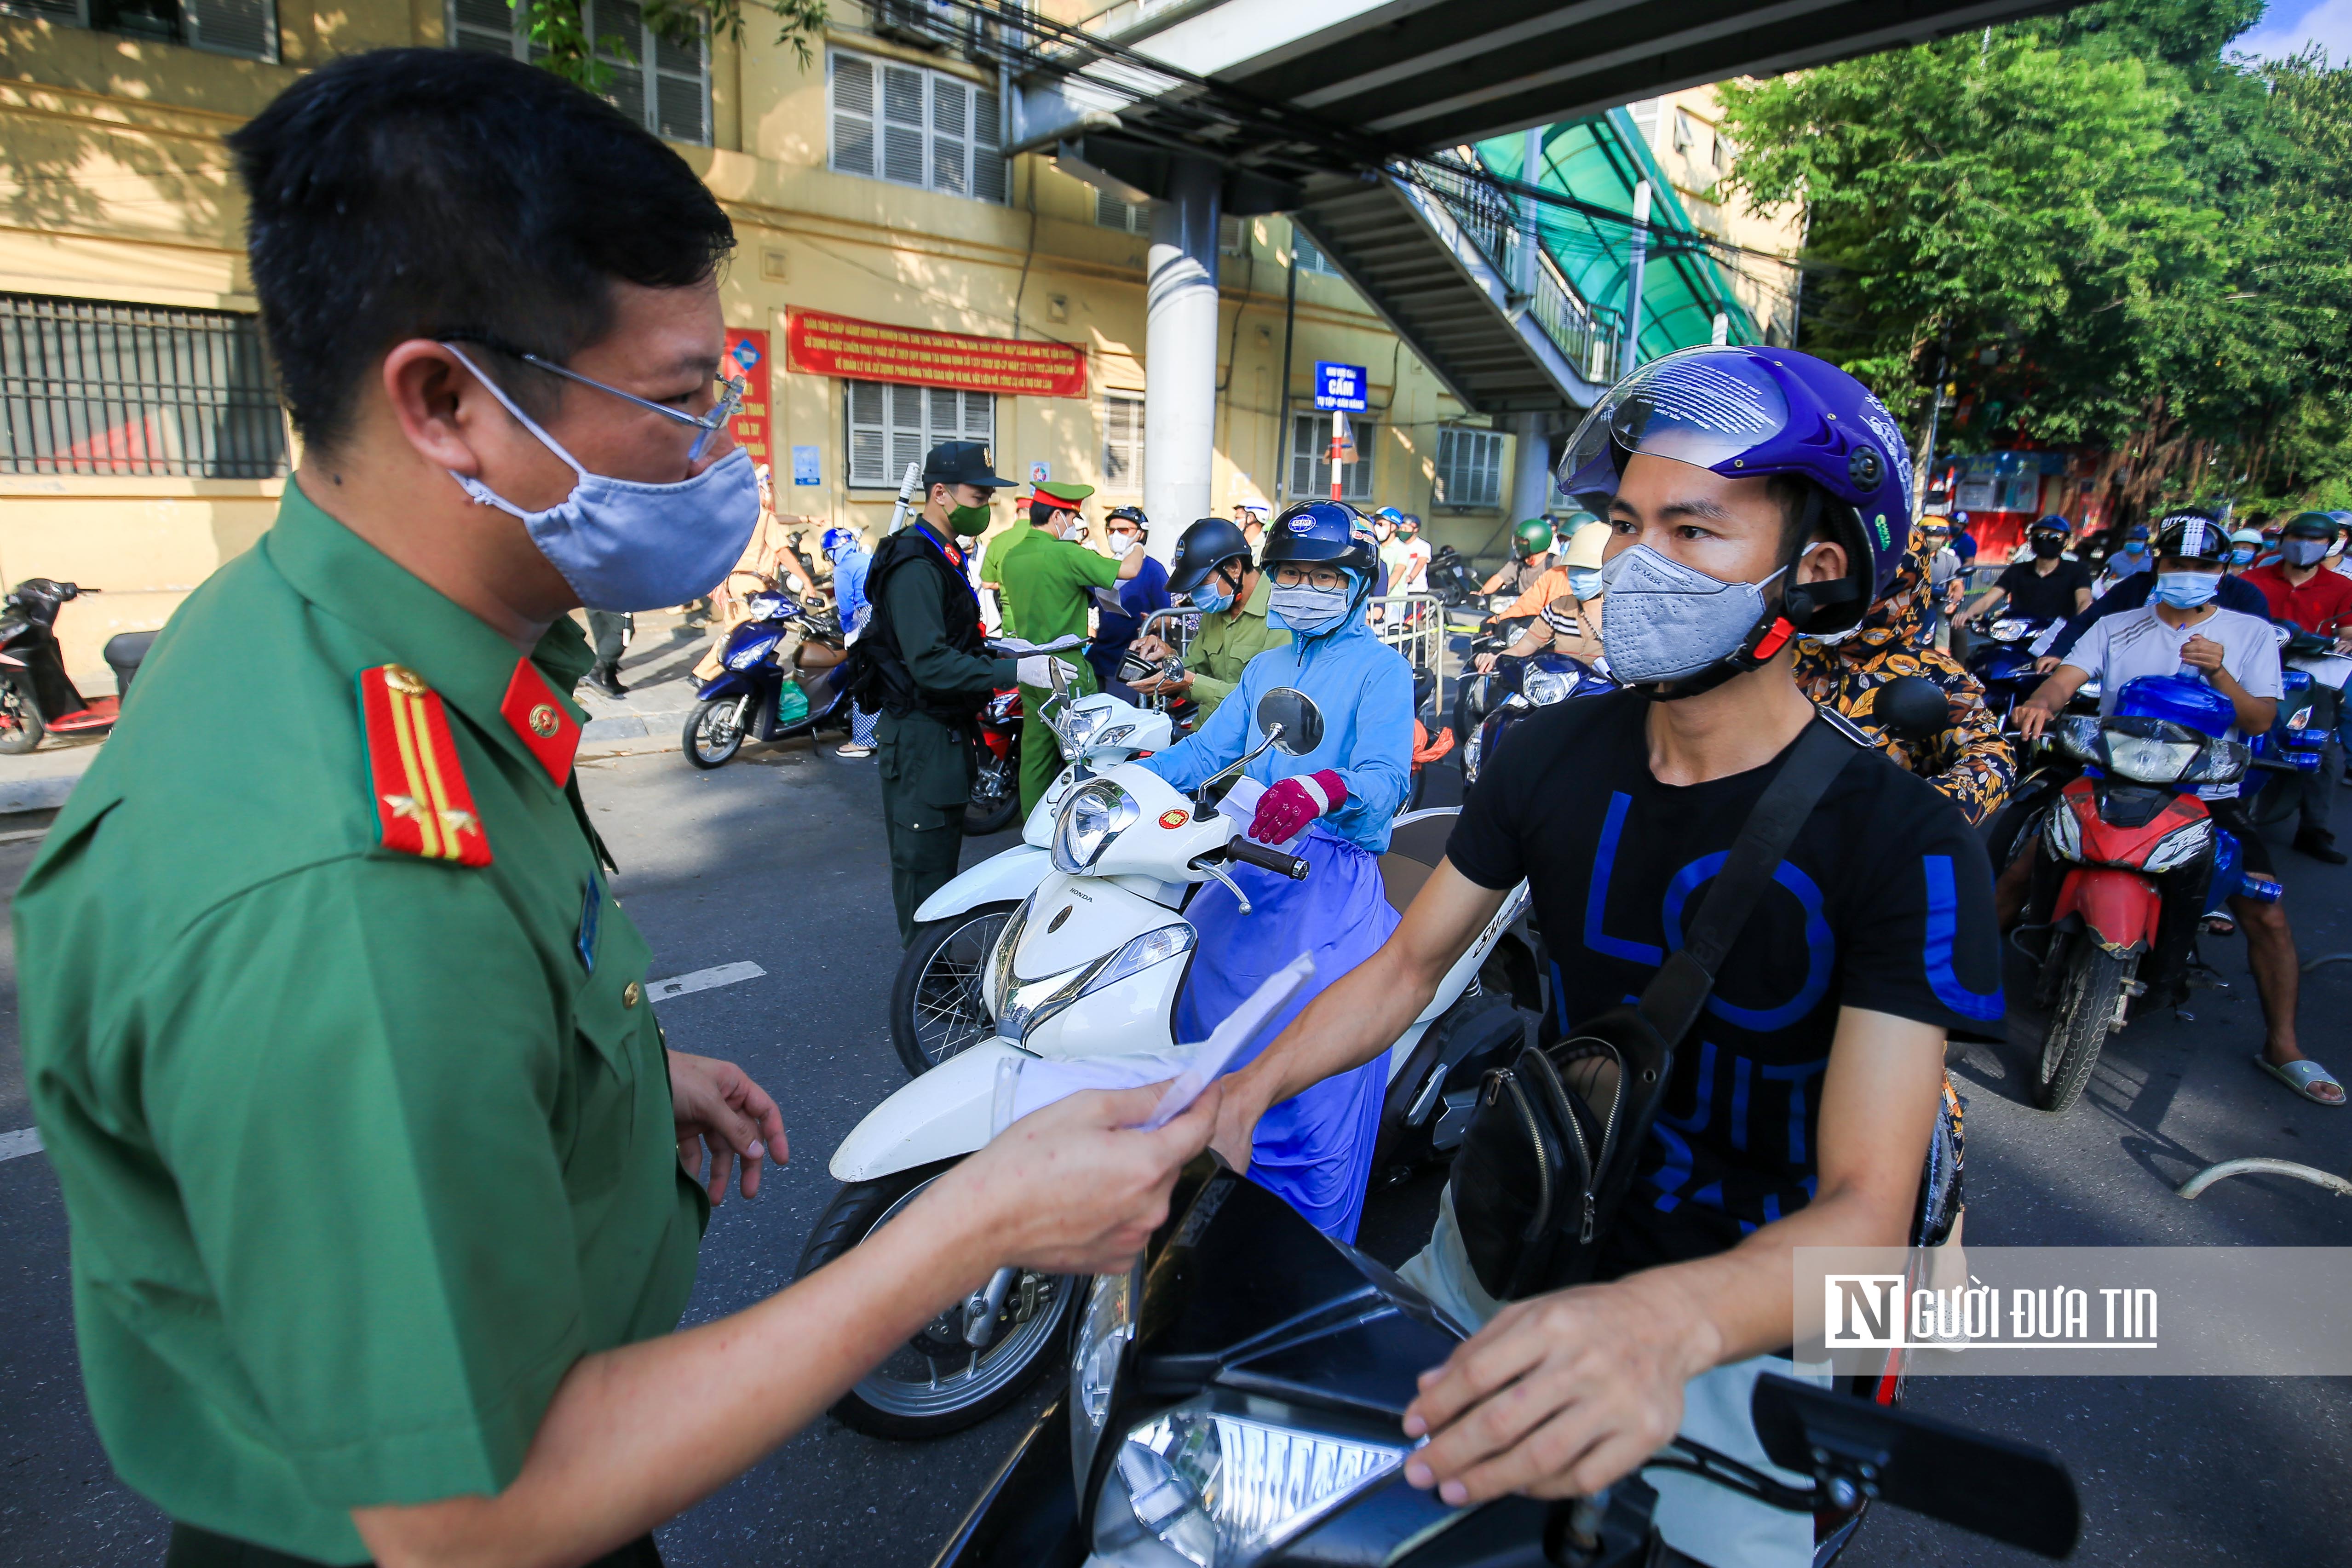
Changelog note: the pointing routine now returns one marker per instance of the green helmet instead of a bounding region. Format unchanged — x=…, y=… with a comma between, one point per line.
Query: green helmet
x=1531, y=539
x=1575, y=523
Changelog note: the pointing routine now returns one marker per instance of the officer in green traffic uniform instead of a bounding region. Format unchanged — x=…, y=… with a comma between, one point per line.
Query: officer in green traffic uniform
x=1049, y=581
x=923, y=662
x=385, y=1191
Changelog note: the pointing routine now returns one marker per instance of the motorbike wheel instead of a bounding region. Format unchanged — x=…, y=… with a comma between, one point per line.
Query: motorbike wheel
x=936, y=1008
x=2088, y=1005
x=712, y=735
x=20, y=723
x=935, y=1384
x=995, y=795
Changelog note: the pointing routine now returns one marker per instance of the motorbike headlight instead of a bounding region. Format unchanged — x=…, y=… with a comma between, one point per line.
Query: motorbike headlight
x=1216, y=1490
x=2150, y=759
x=1091, y=818
x=1075, y=727
x=2182, y=845
x=1024, y=1007
x=2061, y=831
x=1103, y=1336
x=2009, y=629
x=2078, y=737
x=751, y=652
x=1543, y=687
x=2219, y=762
x=766, y=606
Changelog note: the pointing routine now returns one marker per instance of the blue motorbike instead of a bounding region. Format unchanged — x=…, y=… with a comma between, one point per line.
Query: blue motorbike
x=759, y=696
x=2001, y=659
x=1515, y=688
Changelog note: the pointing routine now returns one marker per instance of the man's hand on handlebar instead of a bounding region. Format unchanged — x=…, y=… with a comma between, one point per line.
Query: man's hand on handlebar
x=2031, y=720
x=1484, y=663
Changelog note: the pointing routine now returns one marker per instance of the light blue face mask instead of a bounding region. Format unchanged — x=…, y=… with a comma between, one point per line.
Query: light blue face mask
x=625, y=545
x=1310, y=612
x=2185, y=590
x=1584, y=581
x=1211, y=596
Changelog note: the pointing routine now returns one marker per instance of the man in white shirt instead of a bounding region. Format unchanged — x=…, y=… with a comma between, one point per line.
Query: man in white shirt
x=1413, y=577
x=2182, y=630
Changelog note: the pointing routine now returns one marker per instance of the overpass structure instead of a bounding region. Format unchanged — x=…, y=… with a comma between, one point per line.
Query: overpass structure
x=1362, y=118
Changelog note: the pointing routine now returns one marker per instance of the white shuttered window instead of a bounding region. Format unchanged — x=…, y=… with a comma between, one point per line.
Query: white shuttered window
x=1123, y=444
x=664, y=87
x=914, y=126
x=1469, y=468
x=1310, y=458
x=892, y=425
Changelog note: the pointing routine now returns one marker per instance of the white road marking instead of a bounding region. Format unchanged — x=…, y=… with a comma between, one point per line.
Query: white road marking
x=24, y=1141
x=21, y=834
x=702, y=980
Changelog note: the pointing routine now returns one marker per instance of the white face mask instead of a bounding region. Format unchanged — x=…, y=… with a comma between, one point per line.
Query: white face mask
x=1123, y=544
x=1075, y=533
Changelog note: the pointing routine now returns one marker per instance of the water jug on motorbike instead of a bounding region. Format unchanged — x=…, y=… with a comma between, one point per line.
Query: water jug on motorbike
x=935, y=1005
x=757, y=696
x=1517, y=687
x=1235, y=1402
x=2128, y=814
x=1089, y=965
x=37, y=696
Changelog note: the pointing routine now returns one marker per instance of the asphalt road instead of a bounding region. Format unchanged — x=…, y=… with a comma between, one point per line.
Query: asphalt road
x=778, y=859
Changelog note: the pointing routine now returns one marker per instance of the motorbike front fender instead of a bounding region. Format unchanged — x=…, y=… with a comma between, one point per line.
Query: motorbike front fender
x=1006, y=878
x=727, y=683
x=2119, y=907
x=945, y=1113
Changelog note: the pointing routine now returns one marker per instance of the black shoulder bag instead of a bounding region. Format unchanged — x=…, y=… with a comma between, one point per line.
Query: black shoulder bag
x=1550, y=1151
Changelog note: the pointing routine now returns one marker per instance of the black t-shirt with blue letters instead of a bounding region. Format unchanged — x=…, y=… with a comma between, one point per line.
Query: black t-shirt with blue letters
x=1884, y=903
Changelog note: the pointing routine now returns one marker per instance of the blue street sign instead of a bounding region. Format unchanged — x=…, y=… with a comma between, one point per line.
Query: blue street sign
x=1340, y=386
x=807, y=467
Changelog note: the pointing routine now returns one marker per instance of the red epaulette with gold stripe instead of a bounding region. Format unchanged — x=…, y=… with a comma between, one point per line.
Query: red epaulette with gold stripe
x=422, y=804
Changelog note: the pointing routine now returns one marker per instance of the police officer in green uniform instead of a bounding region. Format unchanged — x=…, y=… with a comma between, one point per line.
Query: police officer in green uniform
x=1049, y=581
x=338, y=1043
x=1052, y=505
x=1214, y=566
x=924, y=663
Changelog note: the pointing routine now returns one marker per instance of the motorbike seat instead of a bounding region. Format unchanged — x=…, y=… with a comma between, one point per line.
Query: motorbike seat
x=1414, y=849
x=122, y=652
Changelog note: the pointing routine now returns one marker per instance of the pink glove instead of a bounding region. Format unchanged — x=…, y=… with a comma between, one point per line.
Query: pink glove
x=1289, y=804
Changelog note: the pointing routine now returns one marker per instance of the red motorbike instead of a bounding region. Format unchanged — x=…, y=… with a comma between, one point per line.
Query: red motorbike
x=36, y=695
x=996, y=788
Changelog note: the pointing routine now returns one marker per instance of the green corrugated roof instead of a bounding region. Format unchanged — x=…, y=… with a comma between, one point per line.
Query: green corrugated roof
x=1597, y=160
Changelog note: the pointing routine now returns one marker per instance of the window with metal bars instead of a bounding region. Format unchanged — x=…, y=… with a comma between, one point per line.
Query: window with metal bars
x=914, y=127
x=1310, y=458
x=892, y=425
x=1122, y=444
x=248, y=29
x=1469, y=468
x=662, y=86
x=88, y=387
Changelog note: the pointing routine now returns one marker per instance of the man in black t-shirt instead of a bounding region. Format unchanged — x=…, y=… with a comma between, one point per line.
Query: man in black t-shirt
x=2047, y=588
x=1756, y=494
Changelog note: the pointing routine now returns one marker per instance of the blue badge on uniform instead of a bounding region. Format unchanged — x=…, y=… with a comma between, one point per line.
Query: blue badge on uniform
x=591, y=911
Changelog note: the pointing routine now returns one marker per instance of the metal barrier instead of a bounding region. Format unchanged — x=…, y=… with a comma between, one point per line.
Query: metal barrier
x=1411, y=623
x=1176, y=627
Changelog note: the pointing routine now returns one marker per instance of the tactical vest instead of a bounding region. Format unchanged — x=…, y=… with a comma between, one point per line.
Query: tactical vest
x=879, y=680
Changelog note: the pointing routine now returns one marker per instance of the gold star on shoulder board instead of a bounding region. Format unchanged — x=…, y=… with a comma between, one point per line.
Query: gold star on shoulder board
x=405, y=806
x=460, y=821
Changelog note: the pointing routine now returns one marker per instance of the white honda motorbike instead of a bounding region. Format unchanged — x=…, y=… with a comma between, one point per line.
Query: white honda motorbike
x=1090, y=965
x=936, y=1004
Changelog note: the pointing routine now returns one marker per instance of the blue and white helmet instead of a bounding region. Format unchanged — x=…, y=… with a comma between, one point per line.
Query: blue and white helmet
x=838, y=541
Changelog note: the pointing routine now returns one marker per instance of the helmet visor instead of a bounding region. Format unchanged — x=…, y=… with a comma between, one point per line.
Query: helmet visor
x=1696, y=407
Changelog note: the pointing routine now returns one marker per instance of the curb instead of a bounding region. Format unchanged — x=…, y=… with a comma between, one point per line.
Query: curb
x=37, y=794
x=631, y=734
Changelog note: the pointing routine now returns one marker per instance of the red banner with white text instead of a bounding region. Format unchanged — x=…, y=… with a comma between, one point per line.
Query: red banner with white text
x=823, y=345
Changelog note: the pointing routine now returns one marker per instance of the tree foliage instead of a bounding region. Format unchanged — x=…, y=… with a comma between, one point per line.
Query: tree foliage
x=559, y=40
x=2101, y=232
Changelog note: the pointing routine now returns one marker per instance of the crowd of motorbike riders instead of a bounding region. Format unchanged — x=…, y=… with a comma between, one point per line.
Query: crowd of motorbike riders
x=1641, y=668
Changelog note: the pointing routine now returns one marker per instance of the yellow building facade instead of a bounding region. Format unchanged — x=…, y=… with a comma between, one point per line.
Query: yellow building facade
x=140, y=451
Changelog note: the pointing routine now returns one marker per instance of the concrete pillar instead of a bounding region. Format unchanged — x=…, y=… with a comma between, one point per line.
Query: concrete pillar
x=1179, y=355
x=1531, y=484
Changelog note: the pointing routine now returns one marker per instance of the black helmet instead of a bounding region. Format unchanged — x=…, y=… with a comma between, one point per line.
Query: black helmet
x=2193, y=536
x=2309, y=525
x=1325, y=533
x=1206, y=545
x=1130, y=515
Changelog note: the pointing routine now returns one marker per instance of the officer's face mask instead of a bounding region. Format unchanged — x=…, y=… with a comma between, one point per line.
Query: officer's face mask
x=2304, y=552
x=1309, y=611
x=2185, y=590
x=1663, y=621
x=1584, y=581
x=967, y=521
x=1075, y=531
x=624, y=545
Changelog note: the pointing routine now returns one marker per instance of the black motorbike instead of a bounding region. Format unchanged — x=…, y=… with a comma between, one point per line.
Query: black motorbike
x=36, y=697
x=2001, y=656
x=1451, y=579
x=1237, y=1403
x=1490, y=704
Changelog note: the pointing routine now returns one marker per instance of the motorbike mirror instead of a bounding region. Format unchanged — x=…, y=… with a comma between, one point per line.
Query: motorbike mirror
x=1853, y=1448
x=1290, y=716
x=1911, y=707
